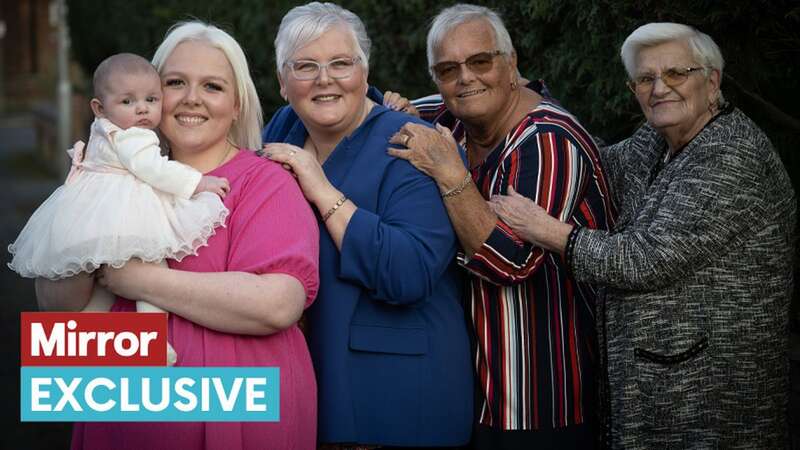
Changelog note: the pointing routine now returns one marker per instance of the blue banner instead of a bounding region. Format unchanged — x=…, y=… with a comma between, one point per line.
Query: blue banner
x=150, y=394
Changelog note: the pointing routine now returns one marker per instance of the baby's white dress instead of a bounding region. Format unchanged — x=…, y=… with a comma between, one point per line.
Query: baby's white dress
x=124, y=200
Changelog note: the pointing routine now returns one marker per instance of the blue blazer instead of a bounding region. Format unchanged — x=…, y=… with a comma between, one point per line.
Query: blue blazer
x=387, y=332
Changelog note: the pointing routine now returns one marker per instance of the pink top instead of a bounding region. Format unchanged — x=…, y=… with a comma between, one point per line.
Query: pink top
x=271, y=229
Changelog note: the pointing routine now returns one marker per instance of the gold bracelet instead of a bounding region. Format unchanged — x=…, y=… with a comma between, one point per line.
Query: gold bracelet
x=458, y=189
x=333, y=209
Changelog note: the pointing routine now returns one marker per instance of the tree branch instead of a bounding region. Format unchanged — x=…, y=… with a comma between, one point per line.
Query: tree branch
x=773, y=111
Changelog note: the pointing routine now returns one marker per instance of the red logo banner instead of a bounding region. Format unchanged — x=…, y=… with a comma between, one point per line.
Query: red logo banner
x=93, y=339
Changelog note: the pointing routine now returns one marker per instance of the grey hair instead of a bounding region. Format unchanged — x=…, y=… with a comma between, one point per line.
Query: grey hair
x=306, y=23
x=246, y=130
x=453, y=16
x=704, y=50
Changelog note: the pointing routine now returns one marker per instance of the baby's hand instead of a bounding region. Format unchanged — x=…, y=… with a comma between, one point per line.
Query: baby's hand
x=217, y=185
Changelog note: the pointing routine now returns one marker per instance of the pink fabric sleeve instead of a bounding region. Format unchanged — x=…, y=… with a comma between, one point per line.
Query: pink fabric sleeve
x=273, y=229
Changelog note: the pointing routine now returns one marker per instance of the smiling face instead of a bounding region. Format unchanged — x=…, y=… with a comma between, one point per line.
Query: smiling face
x=200, y=102
x=324, y=104
x=475, y=98
x=132, y=100
x=681, y=111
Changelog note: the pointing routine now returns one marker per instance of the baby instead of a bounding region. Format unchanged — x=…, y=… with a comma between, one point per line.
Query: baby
x=122, y=199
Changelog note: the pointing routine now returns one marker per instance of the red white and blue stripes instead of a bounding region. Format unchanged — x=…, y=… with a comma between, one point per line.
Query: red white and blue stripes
x=533, y=324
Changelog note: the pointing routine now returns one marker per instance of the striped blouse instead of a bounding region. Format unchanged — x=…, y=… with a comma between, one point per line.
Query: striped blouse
x=535, y=348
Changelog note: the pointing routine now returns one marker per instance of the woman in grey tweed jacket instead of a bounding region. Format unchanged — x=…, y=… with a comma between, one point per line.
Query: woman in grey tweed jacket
x=698, y=269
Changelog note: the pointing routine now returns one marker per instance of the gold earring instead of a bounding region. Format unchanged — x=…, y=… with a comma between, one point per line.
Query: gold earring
x=713, y=106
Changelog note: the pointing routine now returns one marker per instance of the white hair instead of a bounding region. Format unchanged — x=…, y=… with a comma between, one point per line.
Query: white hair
x=704, y=50
x=304, y=24
x=461, y=13
x=246, y=130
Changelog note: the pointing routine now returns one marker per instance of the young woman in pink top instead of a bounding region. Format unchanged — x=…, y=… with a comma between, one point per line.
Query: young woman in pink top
x=237, y=302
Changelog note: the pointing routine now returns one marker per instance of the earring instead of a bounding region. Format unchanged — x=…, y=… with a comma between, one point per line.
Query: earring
x=713, y=106
x=514, y=85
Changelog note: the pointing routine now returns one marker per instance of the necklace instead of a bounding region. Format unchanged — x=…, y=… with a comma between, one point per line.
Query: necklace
x=225, y=155
x=320, y=158
x=313, y=147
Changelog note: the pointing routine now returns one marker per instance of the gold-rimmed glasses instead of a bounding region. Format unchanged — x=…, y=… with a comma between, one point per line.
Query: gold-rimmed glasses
x=672, y=77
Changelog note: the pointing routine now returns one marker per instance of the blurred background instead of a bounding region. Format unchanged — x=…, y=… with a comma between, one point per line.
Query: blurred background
x=49, y=49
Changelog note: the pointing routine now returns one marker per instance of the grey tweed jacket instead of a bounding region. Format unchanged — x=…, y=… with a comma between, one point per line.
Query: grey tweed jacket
x=698, y=277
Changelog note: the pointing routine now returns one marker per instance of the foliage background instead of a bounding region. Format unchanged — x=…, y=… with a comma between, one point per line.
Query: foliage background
x=572, y=44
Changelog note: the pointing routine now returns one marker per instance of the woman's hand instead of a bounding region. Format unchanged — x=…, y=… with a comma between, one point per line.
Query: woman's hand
x=434, y=152
x=305, y=167
x=518, y=212
x=129, y=281
x=397, y=102
x=530, y=221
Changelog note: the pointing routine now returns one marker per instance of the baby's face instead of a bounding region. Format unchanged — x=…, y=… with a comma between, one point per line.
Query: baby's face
x=134, y=100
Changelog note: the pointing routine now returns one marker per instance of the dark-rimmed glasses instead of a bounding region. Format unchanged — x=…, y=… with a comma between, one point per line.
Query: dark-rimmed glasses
x=672, y=77
x=307, y=69
x=478, y=63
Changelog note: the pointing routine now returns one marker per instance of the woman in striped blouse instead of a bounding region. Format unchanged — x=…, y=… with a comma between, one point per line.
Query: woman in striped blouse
x=533, y=324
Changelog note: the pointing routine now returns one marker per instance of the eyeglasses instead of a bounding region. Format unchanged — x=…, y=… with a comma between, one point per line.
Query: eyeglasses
x=478, y=63
x=339, y=68
x=672, y=77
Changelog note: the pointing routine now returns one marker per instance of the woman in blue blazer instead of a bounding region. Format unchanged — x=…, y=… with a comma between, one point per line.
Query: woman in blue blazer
x=387, y=333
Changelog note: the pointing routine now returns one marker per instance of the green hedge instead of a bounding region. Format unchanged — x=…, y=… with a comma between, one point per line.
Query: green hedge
x=572, y=45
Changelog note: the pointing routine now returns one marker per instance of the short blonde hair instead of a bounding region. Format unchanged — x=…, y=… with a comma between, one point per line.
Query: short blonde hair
x=246, y=130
